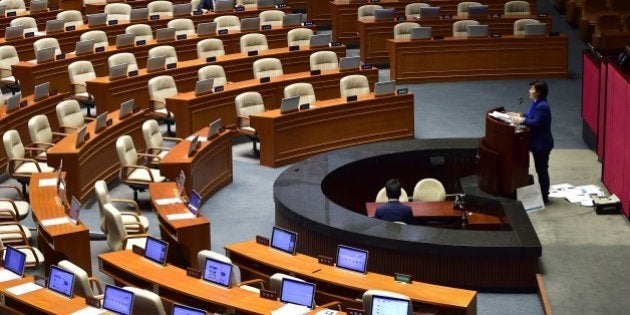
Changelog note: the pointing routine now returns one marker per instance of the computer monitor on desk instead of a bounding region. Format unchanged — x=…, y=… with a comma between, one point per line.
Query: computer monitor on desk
x=384, y=305
x=284, y=240
x=14, y=262
x=194, y=203
x=537, y=29
x=186, y=310
x=352, y=259
x=478, y=11
x=182, y=9
x=61, y=281
x=297, y=292
x=420, y=32
x=477, y=30
x=386, y=14
x=118, y=300
x=217, y=272
x=429, y=12
x=156, y=250
x=223, y=5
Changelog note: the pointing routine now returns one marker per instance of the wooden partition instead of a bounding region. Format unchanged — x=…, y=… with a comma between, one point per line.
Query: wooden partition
x=37, y=302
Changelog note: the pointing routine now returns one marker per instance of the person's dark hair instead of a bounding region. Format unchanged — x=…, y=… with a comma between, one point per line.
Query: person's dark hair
x=392, y=188
x=540, y=87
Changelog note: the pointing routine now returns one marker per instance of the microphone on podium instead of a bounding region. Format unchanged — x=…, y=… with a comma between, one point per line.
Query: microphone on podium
x=520, y=101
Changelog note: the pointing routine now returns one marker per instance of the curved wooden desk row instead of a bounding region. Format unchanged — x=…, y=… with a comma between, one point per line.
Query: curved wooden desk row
x=259, y=261
x=194, y=112
x=30, y=73
x=344, y=13
x=332, y=124
x=108, y=94
x=460, y=59
x=373, y=35
x=98, y=7
x=40, y=18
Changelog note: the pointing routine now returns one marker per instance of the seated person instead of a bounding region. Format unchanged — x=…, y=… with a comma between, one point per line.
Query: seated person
x=205, y=5
x=394, y=210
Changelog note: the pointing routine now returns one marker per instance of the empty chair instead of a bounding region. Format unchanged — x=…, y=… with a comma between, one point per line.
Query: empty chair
x=412, y=10
x=17, y=6
x=146, y=302
x=304, y=90
x=322, y=60
x=253, y=41
x=117, y=11
x=20, y=167
x=121, y=58
x=117, y=236
x=132, y=220
x=275, y=284
x=84, y=285
x=70, y=17
x=29, y=23
x=213, y=71
x=246, y=104
x=182, y=26
x=519, y=25
x=299, y=36
x=154, y=141
x=235, y=279
x=402, y=30
x=8, y=57
x=460, y=28
x=79, y=72
x=462, y=7
x=42, y=136
x=46, y=42
x=70, y=116
x=210, y=47
x=160, y=88
x=167, y=51
x=14, y=208
x=608, y=22
x=516, y=8
x=34, y=257
x=194, y=5
x=137, y=177
x=163, y=8
x=367, y=10
x=248, y=3
x=429, y=189
x=381, y=196
x=142, y=31
x=267, y=67
x=229, y=22
x=369, y=294
x=98, y=37
x=354, y=84
x=271, y=17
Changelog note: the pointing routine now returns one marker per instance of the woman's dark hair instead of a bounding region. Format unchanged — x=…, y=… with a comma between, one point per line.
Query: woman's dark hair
x=540, y=87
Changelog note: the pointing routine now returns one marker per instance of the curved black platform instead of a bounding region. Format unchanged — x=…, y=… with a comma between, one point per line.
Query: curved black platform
x=323, y=199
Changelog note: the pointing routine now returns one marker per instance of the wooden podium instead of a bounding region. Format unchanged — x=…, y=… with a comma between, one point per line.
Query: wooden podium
x=503, y=157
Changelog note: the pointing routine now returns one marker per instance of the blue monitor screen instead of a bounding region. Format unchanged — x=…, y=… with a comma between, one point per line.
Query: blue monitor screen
x=297, y=292
x=195, y=202
x=61, y=281
x=217, y=272
x=14, y=260
x=382, y=305
x=156, y=250
x=186, y=310
x=283, y=240
x=117, y=300
x=353, y=259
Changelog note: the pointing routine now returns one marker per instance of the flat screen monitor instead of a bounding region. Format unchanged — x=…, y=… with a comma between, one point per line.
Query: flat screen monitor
x=41, y=91
x=478, y=11
x=75, y=209
x=2, y=10
x=38, y=6
x=477, y=30
x=156, y=250
x=14, y=260
x=182, y=9
x=420, y=32
x=53, y=26
x=194, y=203
x=14, y=32
x=382, y=305
x=217, y=272
x=126, y=108
x=349, y=63
x=101, y=122
x=214, y=128
x=84, y=47
x=81, y=136
x=13, y=102
x=384, y=88
x=223, y=5
x=352, y=259
x=97, y=19
x=292, y=19
x=289, y=104
x=118, y=300
x=165, y=34
x=125, y=40
x=204, y=86
x=156, y=63
x=386, y=14
x=118, y=71
x=206, y=29
x=284, y=240
x=297, y=292
x=319, y=40
x=139, y=14
x=430, y=12
x=265, y=3
x=249, y=24
x=45, y=54
x=537, y=29
x=61, y=281
x=193, y=145
x=186, y=310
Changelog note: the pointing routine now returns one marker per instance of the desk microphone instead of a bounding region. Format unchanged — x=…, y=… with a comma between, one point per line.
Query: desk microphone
x=520, y=101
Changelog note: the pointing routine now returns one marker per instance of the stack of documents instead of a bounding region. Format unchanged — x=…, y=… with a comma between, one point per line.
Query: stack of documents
x=502, y=116
x=576, y=194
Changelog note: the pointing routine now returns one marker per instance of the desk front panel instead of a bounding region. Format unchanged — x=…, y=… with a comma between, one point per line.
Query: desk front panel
x=99, y=7
x=42, y=301
x=455, y=59
x=40, y=18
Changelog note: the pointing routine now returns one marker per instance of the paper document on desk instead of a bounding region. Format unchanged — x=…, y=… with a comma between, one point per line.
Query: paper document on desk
x=291, y=309
x=168, y=201
x=89, y=311
x=6, y=275
x=180, y=216
x=201, y=138
x=44, y=182
x=23, y=288
x=502, y=116
x=326, y=312
x=55, y=221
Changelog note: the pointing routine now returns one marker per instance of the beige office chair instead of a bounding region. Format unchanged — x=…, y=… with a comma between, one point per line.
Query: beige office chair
x=160, y=88
x=84, y=285
x=271, y=17
x=253, y=41
x=117, y=236
x=12, y=204
x=516, y=8
x=146, y=302
x=98, y=37
x=462, y=7
x=85, y=2
x=34, y=257
x=275, y=284
x=323, y=60
x=229, y=22
x=118, y=11
x=17, y=6
x=154, y=141
x=8, y=57
x=29, y=23
x=299, y=36
x=354, y=84
x=367, y=10
x=429, y=190
x=235, y=279
x=402, y=30
x=163, y=8
x=141, y=31
x=79, y=72
x=248, y=3
x=182, y=26
x=133, y=221
x=70, y=17
x=519, y=25
x=45, y=43
x=167, y=51
x=124, y=57
x=412, y=10
x=267, y=67
x=210, y=47
x=19, y=166
x=381, y=196
x=194, y=4
x=213, y=71
x=70, y=116
x=369, y=294
x=304, y=90
x=136, y=176
x=42, y=136
x=246, y=104
x=460, y=28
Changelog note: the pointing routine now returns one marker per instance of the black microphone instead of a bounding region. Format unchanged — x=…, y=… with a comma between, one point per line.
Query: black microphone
x=520, y=101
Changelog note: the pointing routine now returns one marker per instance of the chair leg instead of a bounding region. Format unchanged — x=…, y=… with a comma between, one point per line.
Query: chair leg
x=135, y=195
x=24, y=190
x=255, y=151
x=168, y=129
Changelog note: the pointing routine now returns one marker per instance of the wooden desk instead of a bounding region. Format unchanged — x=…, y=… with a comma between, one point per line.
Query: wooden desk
x=258, y=261
x=96, y=159
x=185, y=237
x=40, y=18
x=291, y=137
x=344, y=13
x=61, y=241
x=461, y=59
x=372, y=35
x=109, y=94
x=195, y=112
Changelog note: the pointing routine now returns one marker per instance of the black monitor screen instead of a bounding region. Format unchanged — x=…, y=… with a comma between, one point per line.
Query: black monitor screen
x=186, y=310
x=61, y=281
x=297, y=292
x=382, y=305
x=156, y=250
x=283, y=240
x=195, y=202
x=117, y=300
x=353, y=259
x=14, y=260
x=217, y=272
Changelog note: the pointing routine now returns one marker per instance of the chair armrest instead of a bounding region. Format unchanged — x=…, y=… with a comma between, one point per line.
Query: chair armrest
x=139, y=167
x=10, y=201
x=40, y=145
x=20, y=231
x=153, y=102
x=172, y=139
x=67, y=129
x=37, y=262
x=133, y=204
x=17, y=190
x=96, y=284
x=59, y=135
x=88, y=119
x=330, y=304
x=9, y=213
x=241, y=119
x=13, y=160
x=149, y=157
x=156, y=150
x=4, y=72
x=261, y=282
x=124, y=240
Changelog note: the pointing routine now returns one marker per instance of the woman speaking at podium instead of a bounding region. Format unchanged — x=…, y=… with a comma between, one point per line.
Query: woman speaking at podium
x=538, y=120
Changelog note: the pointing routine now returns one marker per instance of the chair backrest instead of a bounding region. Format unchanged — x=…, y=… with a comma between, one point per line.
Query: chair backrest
x=39, y=129
x=8, y=57
x=121, y=58
x=213, y=71
x=519, y=25
x=367, y=10
x=182, y=26
x=608, y=22
x=322, y=60
x=162, y=87
x=381, y=196
x=27, y=22
x=248, y=3
x=70, y=17
x=45, y=43
x=126, y=151
x=210, y=47
x=116, y=232
x=117, y=11
x=429, y=189
x=230, y=22
x=146, y=302
x=165, y=50
x=354, y=84
x=591, y=8
x=253, y=41
x=14, y=5
x=462, y=7
x=13, y=146
x=271, y=17
x=103, y=198
x=516, y=8
x=402, y=30
x=152, y=134
x=82, y=285
x=304, y=90
x=142, y=31
x=69, y=114
x=460, y=27
x=413, y=9
x=369, y=294
x=98, y=37
x=267, y=67
x=275, y=281
x=299, y=36
x=194, y=4
x=81, y=71
x=201, y=260
x=160, y=7
x=248, y=103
